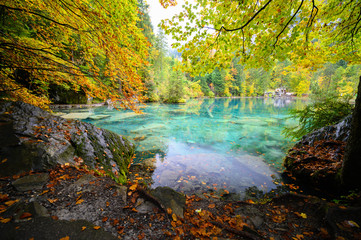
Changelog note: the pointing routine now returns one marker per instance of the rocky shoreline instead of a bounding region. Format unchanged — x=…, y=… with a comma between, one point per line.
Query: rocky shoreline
x=52, y=190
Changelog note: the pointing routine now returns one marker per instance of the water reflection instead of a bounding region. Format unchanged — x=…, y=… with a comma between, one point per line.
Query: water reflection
x=219, y=144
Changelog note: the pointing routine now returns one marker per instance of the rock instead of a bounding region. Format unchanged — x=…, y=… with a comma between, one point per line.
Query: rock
x=82, y=115
x=339, y=132
x=98, y=117
x=146, y=207
x=19, y=208
x=170, y=199
x=326, y=176
x=122, y=192
x=43, y=228
x=37, y=140
x=31, y=182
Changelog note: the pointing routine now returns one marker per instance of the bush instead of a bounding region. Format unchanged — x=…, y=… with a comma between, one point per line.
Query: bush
x=325, y=110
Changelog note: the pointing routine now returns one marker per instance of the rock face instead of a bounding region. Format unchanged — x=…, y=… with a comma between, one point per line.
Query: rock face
x=33, y=139
x=317, y=158
x=338, y=132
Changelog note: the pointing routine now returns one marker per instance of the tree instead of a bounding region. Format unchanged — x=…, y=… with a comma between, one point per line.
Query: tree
x=308, y=32
x=94, y=46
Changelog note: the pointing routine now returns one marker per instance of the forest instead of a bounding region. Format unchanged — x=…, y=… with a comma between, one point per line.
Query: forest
x=65, y=178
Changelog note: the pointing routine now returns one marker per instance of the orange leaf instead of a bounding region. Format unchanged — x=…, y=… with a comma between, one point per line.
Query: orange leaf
x=104, y=219
x=79, y=201
x=65, y=238
x=169, y=211
x=96, y=227
x=52, y=200
x=212, y=205
x=107, y=204
x=174, y=217
x=25, y=215
x=83, y=228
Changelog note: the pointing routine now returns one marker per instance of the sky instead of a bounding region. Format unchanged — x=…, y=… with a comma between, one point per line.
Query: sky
x=157, y=13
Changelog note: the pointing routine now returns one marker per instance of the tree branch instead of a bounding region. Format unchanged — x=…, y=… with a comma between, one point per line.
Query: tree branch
x=248, y=22
x=39, y=15
x=279, y=34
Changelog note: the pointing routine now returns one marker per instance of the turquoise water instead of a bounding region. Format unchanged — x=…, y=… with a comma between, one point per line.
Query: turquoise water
x=228, y=144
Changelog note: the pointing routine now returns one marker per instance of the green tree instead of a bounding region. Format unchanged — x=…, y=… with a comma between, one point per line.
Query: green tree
x=78, y=44
x=308, y=32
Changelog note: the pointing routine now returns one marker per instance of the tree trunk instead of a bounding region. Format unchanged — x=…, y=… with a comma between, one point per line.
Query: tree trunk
x=351, y=169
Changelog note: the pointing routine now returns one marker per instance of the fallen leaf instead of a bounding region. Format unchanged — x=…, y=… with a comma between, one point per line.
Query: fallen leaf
x=52, y=200
x=133, y=187
x=169, y=211
x=212, y=205
x=104, y=219
x=96, y=227
x=83, y=228
x=174, y=217
x=11, y=202
x=352, y=224
x=25, y=215
x=65, y=238
x=79, y=201
x=5, y=220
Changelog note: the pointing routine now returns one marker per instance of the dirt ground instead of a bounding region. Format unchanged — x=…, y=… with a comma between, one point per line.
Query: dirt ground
x=70, y=195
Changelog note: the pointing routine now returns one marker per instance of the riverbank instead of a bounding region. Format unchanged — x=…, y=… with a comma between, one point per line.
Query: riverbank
x=86, y=205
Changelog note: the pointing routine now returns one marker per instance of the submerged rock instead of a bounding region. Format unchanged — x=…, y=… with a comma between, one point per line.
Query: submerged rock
x=33, y=139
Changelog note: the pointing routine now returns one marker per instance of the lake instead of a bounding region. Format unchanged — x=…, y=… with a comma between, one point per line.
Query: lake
x=222, y=144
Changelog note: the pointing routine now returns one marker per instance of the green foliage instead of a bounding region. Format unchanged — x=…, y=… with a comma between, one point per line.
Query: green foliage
x=324, y=110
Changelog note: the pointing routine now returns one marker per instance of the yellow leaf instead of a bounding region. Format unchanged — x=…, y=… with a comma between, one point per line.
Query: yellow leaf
x=79, y=201
x=303, y=215
x=133, y=187
x=9, y=203
x=5, y=220
x=353, y=224
x=83, y=228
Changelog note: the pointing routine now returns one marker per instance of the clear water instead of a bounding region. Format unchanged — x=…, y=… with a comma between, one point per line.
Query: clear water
x=223, y=143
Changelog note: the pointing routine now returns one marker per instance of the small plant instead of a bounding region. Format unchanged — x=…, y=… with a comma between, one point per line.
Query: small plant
x=324, y=110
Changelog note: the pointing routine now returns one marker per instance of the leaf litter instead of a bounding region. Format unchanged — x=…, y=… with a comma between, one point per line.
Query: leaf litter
x=100, y=200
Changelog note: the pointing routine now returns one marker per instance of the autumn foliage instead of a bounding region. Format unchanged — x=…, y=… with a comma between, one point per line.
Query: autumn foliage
x=93, y=46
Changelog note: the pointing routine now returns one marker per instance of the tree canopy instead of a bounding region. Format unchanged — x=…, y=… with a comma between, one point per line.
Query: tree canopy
x=259, y=32
x=93, y=46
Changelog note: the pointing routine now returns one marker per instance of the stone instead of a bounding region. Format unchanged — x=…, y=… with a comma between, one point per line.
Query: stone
x=98, y=117
x=326, y=179
x=47, y=228
x=31, y=182
x=37, y=140
x=34, y=208
x=146, y=207
x=122, y=192
x=170, y=198
x=78, y=115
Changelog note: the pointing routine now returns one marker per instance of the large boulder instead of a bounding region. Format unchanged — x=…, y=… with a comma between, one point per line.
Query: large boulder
x=316, y=160
x=33, y=139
